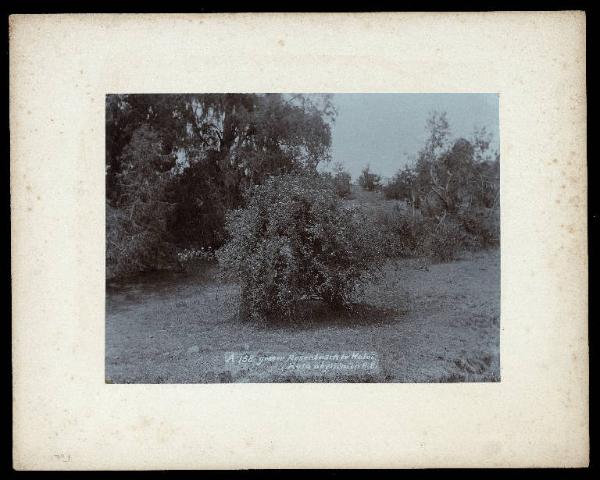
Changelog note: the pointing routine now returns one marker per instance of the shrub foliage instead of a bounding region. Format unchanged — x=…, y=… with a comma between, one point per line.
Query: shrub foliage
x=342, y=181
x=295, y=240
x=452, y=191
x=137, y=233
x=368, y=180
x=176, y=163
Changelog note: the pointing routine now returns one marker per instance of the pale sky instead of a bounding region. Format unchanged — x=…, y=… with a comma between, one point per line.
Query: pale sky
x=385, y=130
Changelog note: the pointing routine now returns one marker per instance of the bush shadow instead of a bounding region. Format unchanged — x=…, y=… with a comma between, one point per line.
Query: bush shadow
x=318, y=314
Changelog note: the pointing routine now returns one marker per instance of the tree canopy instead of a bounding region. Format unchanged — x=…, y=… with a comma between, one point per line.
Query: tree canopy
x=188, y=158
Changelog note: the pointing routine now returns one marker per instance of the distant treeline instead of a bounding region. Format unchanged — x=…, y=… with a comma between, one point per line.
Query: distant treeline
x=177, y=164
x=452, y=191
x=448, y=176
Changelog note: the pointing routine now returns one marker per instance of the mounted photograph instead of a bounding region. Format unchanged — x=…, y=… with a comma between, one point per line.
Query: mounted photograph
x=282, y=237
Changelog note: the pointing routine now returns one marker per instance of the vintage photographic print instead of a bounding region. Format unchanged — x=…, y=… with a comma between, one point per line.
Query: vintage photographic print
x=302, y=238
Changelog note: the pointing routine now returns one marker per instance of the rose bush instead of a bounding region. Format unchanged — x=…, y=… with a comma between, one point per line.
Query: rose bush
x=295, y=240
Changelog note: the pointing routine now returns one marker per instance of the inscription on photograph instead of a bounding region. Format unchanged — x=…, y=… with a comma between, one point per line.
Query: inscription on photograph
x=302, y=364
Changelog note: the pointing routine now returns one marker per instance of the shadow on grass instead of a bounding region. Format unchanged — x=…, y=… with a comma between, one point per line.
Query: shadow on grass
x=318, y=314
x=163, y=282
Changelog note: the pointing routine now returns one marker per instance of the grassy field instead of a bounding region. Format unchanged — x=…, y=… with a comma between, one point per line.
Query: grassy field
x=426, y=322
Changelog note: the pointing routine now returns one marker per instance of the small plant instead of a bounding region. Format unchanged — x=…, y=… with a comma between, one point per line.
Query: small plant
x=296, y=240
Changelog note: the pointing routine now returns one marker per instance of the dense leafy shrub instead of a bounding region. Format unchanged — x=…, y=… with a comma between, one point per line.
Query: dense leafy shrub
x=295, y=240
x=401, y=186
x=131, y=248
x=444, y=240
x=483, y=225
x=368, y=180
x=406, y=235
x=403, y=233
x=137, y=234
x=341, y=181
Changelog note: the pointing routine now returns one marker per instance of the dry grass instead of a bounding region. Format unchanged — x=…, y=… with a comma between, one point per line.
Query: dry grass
x=435, y=323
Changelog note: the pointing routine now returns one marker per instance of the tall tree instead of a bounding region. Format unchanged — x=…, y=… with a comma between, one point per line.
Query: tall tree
x=216, y=145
